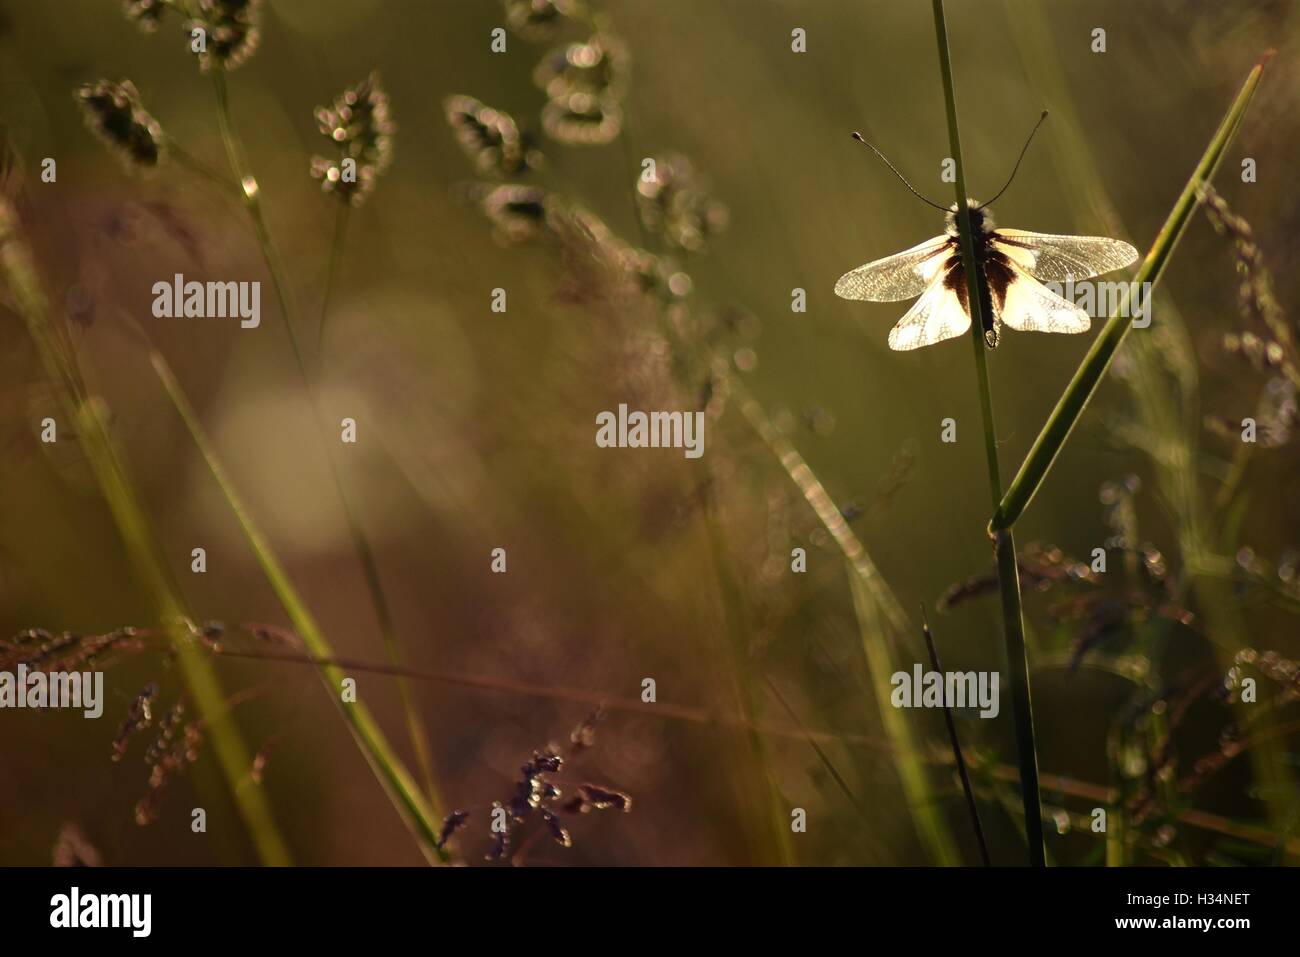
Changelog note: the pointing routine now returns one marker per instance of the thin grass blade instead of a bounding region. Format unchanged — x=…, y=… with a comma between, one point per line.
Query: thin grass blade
x=1084, y=383
x=419, y=817
x=89, y=415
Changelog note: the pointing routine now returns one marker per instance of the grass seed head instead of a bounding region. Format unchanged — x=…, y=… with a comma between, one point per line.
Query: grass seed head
x=139, y=716
x=114, y=113
x=452, y=823
x=583, y=119
x=490, y=138
x=539, y=20
x=519, y=213
x=146, y=14
x=233, y=32
x=360, y=125
x=675, y=203
x=598, y=67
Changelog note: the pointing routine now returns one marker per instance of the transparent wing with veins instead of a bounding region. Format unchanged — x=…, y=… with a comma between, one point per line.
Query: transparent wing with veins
x=1052, y=258
x=936, y=316
x=896, y=277
x=1029, y=306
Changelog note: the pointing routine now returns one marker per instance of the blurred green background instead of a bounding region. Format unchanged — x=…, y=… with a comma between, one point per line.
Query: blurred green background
x=476, y=428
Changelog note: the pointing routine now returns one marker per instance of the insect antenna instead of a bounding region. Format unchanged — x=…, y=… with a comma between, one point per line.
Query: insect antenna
x=1024, y=149
x=894, y=169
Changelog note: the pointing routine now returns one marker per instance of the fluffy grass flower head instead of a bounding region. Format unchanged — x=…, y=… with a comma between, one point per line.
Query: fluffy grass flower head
x=360, y=124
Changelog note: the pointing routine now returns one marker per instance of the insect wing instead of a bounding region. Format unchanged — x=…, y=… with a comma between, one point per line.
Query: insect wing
x=936, y=316
x=1029, y=306
x=896, y=277
x=1052, y=258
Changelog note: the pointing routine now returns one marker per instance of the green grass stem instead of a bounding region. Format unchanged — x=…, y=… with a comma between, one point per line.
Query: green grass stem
x=418, y=815
x=1013, y=626
x=879, y=615
x=90, y=417
x=360, y=540
x=957, y=756
x=1084, y=383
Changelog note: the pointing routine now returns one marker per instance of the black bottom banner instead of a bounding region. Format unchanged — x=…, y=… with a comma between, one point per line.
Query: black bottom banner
x=338, y=905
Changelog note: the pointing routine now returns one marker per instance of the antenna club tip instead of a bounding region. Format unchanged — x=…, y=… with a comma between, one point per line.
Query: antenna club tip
x=1043, y=116
x=858, y=136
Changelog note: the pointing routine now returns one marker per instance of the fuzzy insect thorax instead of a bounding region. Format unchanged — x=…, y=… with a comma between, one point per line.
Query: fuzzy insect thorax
x=981, y=220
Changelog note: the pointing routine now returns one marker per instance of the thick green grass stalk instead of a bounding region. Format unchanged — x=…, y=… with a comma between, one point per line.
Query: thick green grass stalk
x=388, y=768
x=1013, y=626
x=1084, y=383
x=360, y=541
x=89, y=416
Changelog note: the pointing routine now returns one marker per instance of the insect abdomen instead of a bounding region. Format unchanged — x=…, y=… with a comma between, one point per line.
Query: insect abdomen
x=987, y=315
x=996, y=276
x=993, y=275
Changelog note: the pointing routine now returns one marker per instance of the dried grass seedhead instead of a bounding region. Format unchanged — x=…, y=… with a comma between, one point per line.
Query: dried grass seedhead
x=519, y=213
x=675, y=203
x=582, y=119
x=592, y=797
x=604, y=269
x=654, y=275
x=115, y=114
x=1278, y=668
x=42, y=650
x=584, y=84
x=1277, y=416
x=452, y=823
x=178, y=741
x=175, y=749
x=1091, y=604
x=1042, y=566
x=146, y=14
x=1234, y=738
x=597, y=66
x=1268, y=341
x=360, y=124
x=537, y=797
x=1280, y=580
x=233, y=32
x=490, y=138
x=138, y=717
x=540, y=20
